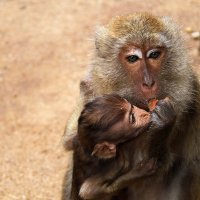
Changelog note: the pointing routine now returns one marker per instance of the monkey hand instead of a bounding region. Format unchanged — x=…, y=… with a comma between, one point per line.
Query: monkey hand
x=164, y=114
x=94, y=188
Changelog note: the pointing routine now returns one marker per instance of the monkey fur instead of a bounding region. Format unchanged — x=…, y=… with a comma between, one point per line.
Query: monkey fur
x=178, y=177
x=96, y=172
x=96, y=159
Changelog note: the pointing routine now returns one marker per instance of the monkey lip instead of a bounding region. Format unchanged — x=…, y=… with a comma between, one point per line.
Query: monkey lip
x=143, y=105
x=152, y=104
x=150, y=99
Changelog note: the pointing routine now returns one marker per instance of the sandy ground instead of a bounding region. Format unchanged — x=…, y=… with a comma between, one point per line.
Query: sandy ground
x=44, y=51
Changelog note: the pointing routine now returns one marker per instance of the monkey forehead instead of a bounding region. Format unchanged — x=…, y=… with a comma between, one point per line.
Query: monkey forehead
x=121, y=26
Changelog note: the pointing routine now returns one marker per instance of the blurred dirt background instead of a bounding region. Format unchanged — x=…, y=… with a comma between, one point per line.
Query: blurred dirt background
x=44, y=51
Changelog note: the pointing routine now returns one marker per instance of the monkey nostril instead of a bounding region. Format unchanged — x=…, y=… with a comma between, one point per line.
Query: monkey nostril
x=153, y=83
x=148, y=85
x=145, y=85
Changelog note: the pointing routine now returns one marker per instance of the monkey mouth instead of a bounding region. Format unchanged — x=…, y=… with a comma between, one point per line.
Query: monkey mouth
x=141, y=102
x=150, y=99
x=142, y=105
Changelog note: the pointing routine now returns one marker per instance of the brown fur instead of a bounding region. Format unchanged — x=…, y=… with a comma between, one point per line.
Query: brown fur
x=121, y=26
x=107, y=123
x=176, y=80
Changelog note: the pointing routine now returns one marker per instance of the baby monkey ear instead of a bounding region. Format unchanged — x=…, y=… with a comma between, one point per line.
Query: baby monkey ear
x=104, y=150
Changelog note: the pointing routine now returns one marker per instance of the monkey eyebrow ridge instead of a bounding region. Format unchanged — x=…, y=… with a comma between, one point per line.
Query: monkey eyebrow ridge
x=136, y=52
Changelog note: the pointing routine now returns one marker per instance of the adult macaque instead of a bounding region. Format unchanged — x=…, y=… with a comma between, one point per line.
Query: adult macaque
x=140, y=57
x=104, y=156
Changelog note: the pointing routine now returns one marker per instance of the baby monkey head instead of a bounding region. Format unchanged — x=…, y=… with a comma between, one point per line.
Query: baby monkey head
x=110, y=118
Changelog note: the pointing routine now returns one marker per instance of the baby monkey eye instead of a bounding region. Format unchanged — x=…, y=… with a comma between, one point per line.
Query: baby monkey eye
x=132, y=118
x=132, y=58
x=154, y=54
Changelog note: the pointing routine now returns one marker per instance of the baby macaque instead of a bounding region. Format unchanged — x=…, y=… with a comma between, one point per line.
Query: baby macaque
x=104, y=158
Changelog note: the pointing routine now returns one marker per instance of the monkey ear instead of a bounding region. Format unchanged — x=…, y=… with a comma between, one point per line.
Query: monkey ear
x=104, y=150
x=103, y=41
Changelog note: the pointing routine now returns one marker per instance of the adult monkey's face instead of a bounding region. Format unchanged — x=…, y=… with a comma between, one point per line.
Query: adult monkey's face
x=141, y=57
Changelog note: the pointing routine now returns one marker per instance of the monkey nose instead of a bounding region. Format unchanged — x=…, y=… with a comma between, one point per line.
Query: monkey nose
x=149, y=89
x=149, y=84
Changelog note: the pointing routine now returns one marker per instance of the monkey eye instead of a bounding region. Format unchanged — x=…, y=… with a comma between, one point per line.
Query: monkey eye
x=132, y=118
x=132, y=58
x=154, y=54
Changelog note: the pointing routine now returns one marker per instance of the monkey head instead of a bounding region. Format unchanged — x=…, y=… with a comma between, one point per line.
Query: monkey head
x=161, y=116
x=140, y=57
x=108, y=121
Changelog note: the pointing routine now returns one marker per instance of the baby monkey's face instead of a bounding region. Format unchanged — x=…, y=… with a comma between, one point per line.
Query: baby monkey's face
x=134, y=118
x=108, y=121
x=134, y=122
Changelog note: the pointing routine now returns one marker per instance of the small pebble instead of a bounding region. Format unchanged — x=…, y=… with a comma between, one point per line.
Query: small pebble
x=196, y=35
x=188, y=30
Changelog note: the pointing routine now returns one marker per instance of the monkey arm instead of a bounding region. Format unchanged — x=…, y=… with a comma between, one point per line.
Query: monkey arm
x=69, y=135
x=71, y=127
x=86, y=94
x=97, y=186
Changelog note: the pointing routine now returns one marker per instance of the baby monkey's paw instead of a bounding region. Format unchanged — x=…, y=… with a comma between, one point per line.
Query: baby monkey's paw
x=163, y=114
